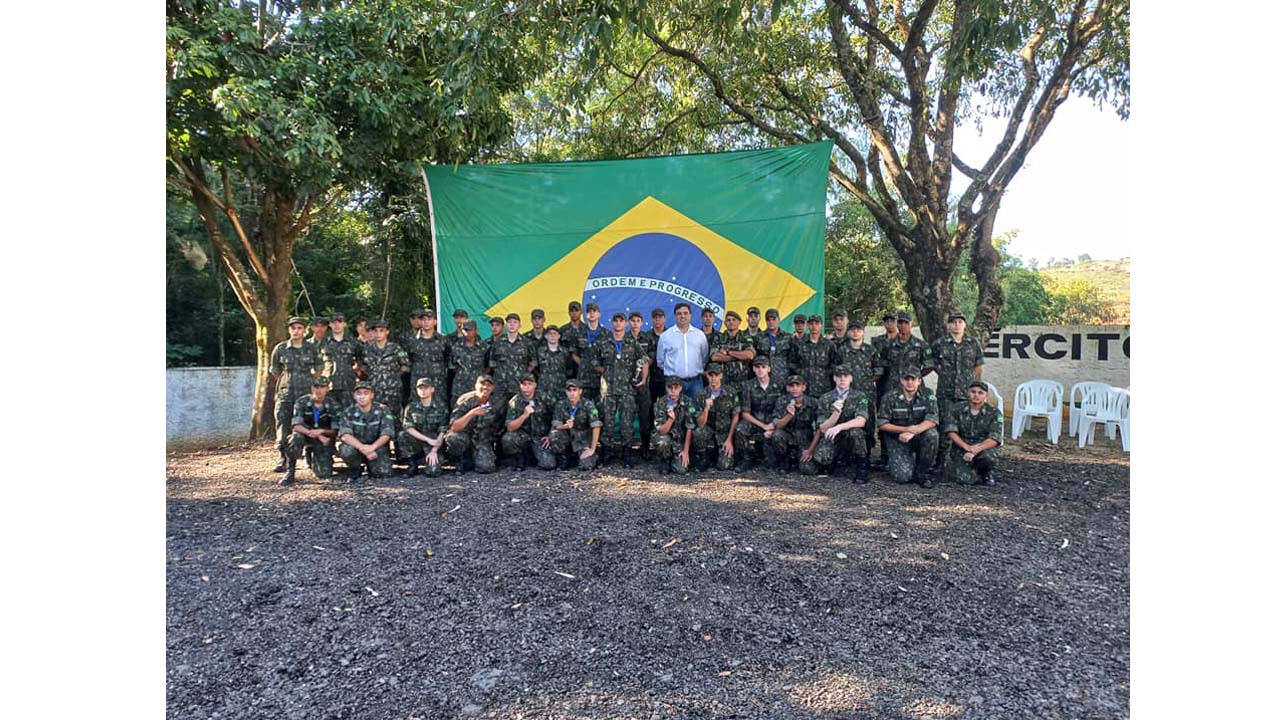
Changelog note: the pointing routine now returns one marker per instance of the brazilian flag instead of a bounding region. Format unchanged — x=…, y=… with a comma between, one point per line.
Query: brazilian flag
x=720, y=230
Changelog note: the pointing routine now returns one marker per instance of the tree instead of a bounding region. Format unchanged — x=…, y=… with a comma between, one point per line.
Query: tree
x=888, y=83
x=863, y=276
x=277, y=112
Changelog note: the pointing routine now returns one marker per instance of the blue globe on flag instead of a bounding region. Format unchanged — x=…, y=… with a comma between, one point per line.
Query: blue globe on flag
x=655, y=270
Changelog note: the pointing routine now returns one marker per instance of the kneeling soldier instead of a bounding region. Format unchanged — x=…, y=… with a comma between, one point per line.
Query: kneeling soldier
x=843, y=413
x=909, y=416
x=425, y=422
x=472, y=427
x=674, y=418
x=794, y=418
x=366, y=429
x=974, y=432
x=758, y=402
x=313, y=431
x=528, y=424
x=575, y=429
x=718, y=415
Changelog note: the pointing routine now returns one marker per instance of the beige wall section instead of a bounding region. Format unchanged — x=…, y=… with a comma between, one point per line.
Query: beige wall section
x=207, y=406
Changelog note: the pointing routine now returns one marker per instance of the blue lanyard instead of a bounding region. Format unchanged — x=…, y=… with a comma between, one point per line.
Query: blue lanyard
x=773, y=341
x=573, y=411
x=840, y=395
x=315, y=415
x=617, y=346
x=591, y=335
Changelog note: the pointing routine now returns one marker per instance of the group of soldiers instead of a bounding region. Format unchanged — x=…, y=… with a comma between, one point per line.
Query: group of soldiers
x=572, y=396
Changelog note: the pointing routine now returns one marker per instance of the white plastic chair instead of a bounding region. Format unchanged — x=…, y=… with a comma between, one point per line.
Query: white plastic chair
x=993, y=392
x=1038, y=398
x=1113, y=410
x=1083, y=396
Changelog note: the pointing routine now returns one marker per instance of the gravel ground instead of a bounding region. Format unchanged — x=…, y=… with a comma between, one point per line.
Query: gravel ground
x=626, y=594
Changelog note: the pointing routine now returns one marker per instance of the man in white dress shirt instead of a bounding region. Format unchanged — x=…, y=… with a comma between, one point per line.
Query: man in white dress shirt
x=682, y=351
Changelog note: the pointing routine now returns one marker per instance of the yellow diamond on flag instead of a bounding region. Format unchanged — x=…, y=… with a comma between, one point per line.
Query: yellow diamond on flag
x=653, y=256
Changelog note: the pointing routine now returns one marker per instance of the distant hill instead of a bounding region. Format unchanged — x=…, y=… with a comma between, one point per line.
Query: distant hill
x=1111, y=277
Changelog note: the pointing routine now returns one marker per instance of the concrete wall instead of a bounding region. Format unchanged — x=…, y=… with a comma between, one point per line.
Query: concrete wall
x=207, y=406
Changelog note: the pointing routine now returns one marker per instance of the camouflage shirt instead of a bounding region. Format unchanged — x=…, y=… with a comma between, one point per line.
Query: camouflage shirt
x=862, y=361
x=686, y=414
x=736, y=372
x=484, y=425
x=856, y=404
x=539, y=423
x=814, y=361
x=585, y=340
x=553, y=368
x=971, y=428
x=585, y=415
x=897, y=356
x=430, y=419
x=295, y=365
x=621, y=360
x=467, y=362
x=511, y=360
x=429, y=358
x=724, y=407
x=538, y=340
x=778, y=349
x=304, y=413
x=383, y=367
x=897, y=409
x=367, y=426
x=806, y=411
x=339, y=362
x=955, y=363
x=760, y=402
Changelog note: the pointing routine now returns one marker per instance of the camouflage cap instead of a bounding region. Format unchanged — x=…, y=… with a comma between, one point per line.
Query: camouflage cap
x=715, y=368
x=771, y=313
x=429, y=313
x=424, y=381
x=482, y=379
x=839, y=313
x=593, y=306
x=753, y=310
x=295, y=320
x=957, y=314
x=537, y=313
x=513, y=316
x=320, y=381
x=337, y=317
x=635, y=314
x=528, y=377
x=910, y=371
x=495, y=320
x=889, y=317
x=572, y=383
x=372, y=324
x=796, y=380
x=799, y=318
x=855, y=323
x=732, y=314
x=469, y=325
x=978, y=384
x=815, y=318
x=658, y=312
x=761, y=360
x=904, y=316
x=708, y=309
x=362, y=385
x=672, y=380
x=460, y=313
x=619, y=316
x=841, y=370
x=319, y=320
x=418, y=313
x=574, y=305
x=551, y=329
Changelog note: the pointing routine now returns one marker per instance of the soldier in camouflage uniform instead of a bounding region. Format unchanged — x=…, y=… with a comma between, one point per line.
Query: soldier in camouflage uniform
x=753, y=322
x=473, y=428
x=555, y=362
x=657, y=378
x=585, y=339
x=429, y=356
x=293, y=363
x=365, y=430
x=512, y=356
x=621, y=362
x=973, y=435
x=909, y=416
x=862, y=359
x=794, y=418
x=883, y=381
x=709, y=325
x=842, y=415
x=734, y=349
x=569, y=333
x=421, y=438
x=758, y=402
x=466, y=359
x=644, y=400
x=814, y=357
x=777, y=345
x=717, y=436
x=839, y=327
x=403, y=337
x=674, y=420
x=905, y=351
x=383, y=363
x=314, y=416
x=339, y=354
x=319, y=329
x=798, y=330
x=460, y=318
x=528, y=426
x=959, y=361
x=575, y=429
x=538, y=318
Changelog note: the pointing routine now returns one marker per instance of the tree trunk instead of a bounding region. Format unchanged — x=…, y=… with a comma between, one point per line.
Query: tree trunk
x=984, y=263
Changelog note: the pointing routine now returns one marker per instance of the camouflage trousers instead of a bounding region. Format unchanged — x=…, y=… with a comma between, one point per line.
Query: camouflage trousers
x=480, y=447
x=850, y=445
x=284, y=418
x=408, y=446
x=514, y=442
x=788, y=440
x=618, y=411
x=971, y=473
x=707, y=438
x=668, y=448
x=945, y=407
x=644, y=412
x=502, y=392
x=756, y=443
x=379, y=466
x=390, y=396
x=321, y=453
x=342, y=396
x=908, y=460
x=563, y=441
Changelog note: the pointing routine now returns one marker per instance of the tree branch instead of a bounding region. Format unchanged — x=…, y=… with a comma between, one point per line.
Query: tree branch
x=194, y=171
x=869, y=28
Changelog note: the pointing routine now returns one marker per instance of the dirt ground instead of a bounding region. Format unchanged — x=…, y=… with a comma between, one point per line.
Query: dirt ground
x=626, y=594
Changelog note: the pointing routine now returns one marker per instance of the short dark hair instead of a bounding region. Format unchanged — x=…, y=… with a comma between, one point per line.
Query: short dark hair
x=684, y=305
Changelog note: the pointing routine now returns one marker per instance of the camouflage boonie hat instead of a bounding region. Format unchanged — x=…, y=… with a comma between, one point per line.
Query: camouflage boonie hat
x=469, y=325
x=296, y=320
x=841, y=370
x=374, y=324
x=572, y=383
x=320, y=381
x=796, y=380
x=528, y=377
x=362, y=385
x=761, y=360
x=537, y=313
x=978, y=384
x=481, y=379
x=904, y=316
x=715, y=368
x=672, y=380
x=910, y=372
x=957, y=314
x=732, y=314
x=424, y=381
x=771, y=313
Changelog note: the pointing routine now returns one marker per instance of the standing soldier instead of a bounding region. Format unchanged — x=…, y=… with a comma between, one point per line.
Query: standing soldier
x=496, y=328
x=839, y=327
x=673, y=424
x=554, y=361
x=425, y=421
x=569, y=335
x=758, y=402
x=473, y=427
x=575, y=429
x=623, y=366
x=383, y=363
x=293, y=363
x=776, y=345
x=842, y=414
x=753, y=322
x=718, y=413
x=512, y=356
x=459, y=322
x=538, y=334
x=363, y=336
x=883, y=380
x=798, y=327
x=648, y=342
x=814, y=357
x=339, y=354
x=909, y=415
x=319, y=328
x=973, y=434
x=709, y=324
x=528, y=426
x=959, y=361
x=793, y=423
x=365, y=430
x=904, y=351
x=403, y=337
x=467, y=359
x=735, y=350
x=585, y=340
x=314, y=417
x=862, y=360
x=429, y=356
x=657, y=378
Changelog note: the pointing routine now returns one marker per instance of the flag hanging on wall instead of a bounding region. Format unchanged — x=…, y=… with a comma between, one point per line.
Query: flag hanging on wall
x=720, y=230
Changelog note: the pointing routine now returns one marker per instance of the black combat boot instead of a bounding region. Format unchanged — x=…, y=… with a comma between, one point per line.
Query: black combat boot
x=283, y=464
x=988, y=478
x=626, y=457
x=924, y=479
x=289, y=472
x=861, y=470
x=306, y=453
x=412, y=468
